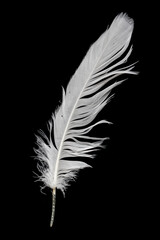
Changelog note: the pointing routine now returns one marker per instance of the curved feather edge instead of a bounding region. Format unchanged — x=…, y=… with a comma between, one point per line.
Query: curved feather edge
x=85, y=96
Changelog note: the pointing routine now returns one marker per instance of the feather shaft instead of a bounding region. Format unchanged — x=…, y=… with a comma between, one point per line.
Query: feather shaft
x=53, y=206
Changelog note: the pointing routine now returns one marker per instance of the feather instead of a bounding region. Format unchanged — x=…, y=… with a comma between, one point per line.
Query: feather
x=86, y=94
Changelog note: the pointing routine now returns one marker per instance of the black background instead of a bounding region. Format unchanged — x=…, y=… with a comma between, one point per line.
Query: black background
x=44, y=45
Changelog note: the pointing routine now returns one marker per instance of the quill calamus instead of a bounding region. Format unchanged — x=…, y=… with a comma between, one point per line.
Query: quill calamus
x=86, y=94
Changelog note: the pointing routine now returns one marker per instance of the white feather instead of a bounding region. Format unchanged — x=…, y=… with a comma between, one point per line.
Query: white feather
x=83, y=99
